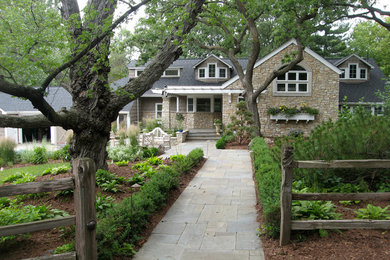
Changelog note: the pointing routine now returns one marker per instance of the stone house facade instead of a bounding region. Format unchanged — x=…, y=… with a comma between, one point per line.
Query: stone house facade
x=203, y=90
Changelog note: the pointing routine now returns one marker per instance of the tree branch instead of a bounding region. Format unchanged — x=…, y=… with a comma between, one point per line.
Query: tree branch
x=169, y=52
x=34, y=121
x=281, y=71
x=91, y=45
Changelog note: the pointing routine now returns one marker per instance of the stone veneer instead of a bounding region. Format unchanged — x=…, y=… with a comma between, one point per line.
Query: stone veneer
x=324, y=96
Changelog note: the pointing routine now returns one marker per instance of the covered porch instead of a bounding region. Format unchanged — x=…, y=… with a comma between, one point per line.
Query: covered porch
x=199, y=105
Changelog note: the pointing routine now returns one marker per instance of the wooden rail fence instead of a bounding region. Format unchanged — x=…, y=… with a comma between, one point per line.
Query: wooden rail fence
x=286, y=196
x=83, y=184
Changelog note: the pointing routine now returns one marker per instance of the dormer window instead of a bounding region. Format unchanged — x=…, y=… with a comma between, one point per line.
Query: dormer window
x=212, y=71
x=353, y=71
x=168, y=73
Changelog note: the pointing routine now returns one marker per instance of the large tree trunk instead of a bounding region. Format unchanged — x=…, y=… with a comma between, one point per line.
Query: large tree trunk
x=252, y=106
x=91, y=144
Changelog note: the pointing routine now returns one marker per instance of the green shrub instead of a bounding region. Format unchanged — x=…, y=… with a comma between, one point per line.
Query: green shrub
x=107, y=181
x=373, y=212
x=65, y=248
x=26, y=177
x=221, y=143
x=26, y=156
x=195, y=156
x=120, y=227
x=40, y=155
x=61, y=154
x=122, y=163
x=304, y=209
x=103, y=202
x=7, y=152
x=268, y=179
x=177, y=157
x=149, y=152
x=123, y=153
x=242, y=123
x=154, y=161
x=136, y=179
x=14, y=177
x=56, y=170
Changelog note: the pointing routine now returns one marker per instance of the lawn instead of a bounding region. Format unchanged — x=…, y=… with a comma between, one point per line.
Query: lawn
x=35, y=170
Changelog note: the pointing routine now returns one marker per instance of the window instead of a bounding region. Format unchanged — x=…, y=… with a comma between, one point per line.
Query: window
x=203, y=105
x=190, y=105
x=240, y=98
x=212, y=68
x=222, y=72
x=212, y=71
x=202, y=72
x=217, y=104
x=363, y=73
x=352, y=71
x=138, y=72
x=294, y=81
x=159, y=107
x=171, y=73
x=342, y=75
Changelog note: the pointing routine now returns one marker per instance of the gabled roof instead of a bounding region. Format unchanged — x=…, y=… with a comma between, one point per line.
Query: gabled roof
x=57, y=97
x=353, y=55
x=284, y=46
x=364, y=91
x=212, y=55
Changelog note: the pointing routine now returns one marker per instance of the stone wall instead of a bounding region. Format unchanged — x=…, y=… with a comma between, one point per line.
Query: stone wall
x=324, y=96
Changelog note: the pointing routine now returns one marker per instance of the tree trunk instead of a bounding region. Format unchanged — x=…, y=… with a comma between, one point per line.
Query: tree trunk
x=252, y=106
x=91, y=144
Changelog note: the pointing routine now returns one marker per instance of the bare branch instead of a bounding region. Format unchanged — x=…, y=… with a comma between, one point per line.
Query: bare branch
x=91, y=45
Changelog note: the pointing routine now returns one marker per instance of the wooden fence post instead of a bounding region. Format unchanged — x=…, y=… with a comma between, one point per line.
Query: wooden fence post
x=286, y=194
x=84, y=170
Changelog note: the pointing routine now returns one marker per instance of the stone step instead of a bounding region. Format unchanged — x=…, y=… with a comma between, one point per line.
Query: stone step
x=203, y=137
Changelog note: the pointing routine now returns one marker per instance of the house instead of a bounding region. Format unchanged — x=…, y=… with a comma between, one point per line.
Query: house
x=207, y=89
x=203, y=90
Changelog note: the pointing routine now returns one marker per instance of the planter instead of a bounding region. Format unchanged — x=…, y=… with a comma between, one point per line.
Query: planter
x=218, y=129
x=297, y=117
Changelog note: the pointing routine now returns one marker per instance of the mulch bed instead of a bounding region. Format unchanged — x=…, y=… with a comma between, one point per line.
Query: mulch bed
x=236, y=146
x=44, y=242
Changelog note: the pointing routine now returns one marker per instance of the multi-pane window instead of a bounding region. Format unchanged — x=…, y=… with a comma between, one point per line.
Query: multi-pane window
x=171, y=73
x=294, y=81
x=202, y=73
x=342, y=75
x=190, y=105
x=203, y=104
x=222, y=72
x=363, y=73
x=217, y=104
x=159, y=108
x=212, y=69
x=352, y=71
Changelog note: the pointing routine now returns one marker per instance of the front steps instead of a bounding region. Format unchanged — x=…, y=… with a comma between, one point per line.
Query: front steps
x=202, y=134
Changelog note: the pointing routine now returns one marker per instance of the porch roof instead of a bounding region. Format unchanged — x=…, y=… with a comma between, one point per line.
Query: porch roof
x=196, y=90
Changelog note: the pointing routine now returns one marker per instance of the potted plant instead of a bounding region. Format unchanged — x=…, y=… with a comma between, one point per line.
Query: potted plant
x=180, y=119
x=217, y=124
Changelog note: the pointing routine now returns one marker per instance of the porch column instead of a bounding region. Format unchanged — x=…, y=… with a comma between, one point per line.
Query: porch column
x=165, y=117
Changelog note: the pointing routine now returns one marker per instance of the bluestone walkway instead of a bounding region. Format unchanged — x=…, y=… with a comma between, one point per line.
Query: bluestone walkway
x=215, y=216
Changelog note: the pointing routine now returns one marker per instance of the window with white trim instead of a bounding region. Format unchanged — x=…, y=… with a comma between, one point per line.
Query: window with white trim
x=353, y=71
x=190, y=105
x=159, y=108
x=202, y=73
x=212, y=71
x=294, y=81
x=171, y=73
x=240, y=98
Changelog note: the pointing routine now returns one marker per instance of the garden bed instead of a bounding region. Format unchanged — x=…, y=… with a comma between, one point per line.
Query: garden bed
x=345, y=244
x=44, y=242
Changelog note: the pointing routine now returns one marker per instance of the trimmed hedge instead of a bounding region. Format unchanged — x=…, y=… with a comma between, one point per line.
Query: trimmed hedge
x=120, y=227
x=268, y=180
x=221, y=143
